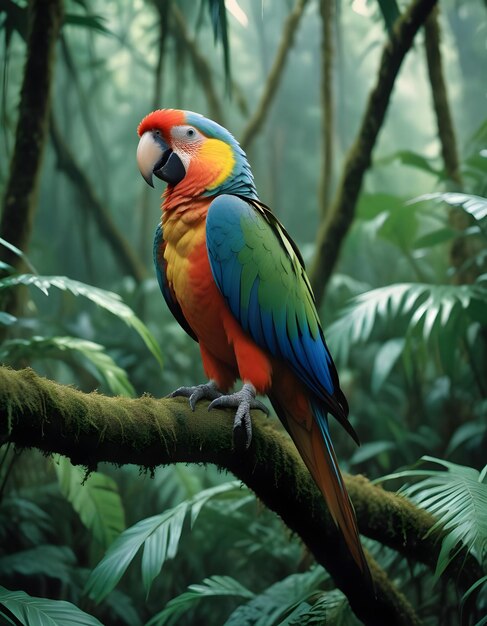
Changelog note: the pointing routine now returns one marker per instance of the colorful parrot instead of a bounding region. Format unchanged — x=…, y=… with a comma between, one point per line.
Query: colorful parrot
x=236, y=282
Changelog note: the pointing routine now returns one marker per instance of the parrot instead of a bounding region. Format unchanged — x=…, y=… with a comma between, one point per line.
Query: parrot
x=236, y=282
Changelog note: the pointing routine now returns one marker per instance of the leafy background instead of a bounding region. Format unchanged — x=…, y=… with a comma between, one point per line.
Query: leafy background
x=406, y=323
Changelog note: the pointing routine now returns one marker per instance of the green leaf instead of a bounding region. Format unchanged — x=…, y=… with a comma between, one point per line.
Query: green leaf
x=215, y=586
x=458, y=498
x=412, y=159
x=435, y=237
x=18, y=252
x=32, y=611
x=331, y=607
x=105, y=299
x=96, y=500
x=433, y=309
x=218, y=17
x=400, y=226
x=6, y=319
x=159, y=535
x=50, y=561
x=92, y=22
x=385, y=359
x=473, y=588
x=370, y=205
x=370, y=450
x=278, y=600
x=476, y=206
x=466, y=432
x=69, y=349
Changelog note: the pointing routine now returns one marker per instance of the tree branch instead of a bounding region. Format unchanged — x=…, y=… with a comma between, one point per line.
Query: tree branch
x=446, y=132
x=91, y=428
x=201, y=66
x=275, y=74
x=121, y=248
x=335, y=226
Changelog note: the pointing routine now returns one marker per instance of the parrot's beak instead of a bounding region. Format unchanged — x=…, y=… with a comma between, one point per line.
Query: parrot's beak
x=155, y=157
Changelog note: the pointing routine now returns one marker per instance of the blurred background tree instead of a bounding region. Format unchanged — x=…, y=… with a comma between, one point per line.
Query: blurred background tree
x=378, y=169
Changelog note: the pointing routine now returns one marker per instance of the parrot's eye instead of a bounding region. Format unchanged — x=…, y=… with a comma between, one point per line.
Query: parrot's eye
x=186, y=137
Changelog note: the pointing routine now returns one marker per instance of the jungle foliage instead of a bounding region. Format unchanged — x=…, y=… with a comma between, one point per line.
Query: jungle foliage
x=405, y=306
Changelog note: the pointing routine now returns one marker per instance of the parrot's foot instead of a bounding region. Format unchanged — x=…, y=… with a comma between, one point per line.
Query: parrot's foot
x=243, y=401
x=208, y=391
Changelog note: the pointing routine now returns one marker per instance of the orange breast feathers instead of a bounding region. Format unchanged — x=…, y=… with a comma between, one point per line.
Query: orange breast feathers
x=227, y=352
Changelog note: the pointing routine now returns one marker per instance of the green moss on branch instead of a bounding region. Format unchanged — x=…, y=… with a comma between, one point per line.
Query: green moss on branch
x=90, y=428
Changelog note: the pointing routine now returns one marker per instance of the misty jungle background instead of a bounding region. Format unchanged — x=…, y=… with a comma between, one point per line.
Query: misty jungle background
x=404, y=311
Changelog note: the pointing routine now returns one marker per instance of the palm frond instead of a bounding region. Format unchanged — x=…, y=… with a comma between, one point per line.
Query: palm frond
x=160, y=537
x=279, y=600
x=71, y=349
x=476, y=206
x=105, y=299
x=331, y=607
x=458, y=498
x=54, y=562
x=215, y=586
x=39, y=611
x=432, y=309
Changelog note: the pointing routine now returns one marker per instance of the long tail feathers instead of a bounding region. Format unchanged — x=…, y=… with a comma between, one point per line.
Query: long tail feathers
x=314, y=444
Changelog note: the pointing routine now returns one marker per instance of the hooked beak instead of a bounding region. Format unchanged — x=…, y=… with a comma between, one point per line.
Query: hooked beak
x=155, y=157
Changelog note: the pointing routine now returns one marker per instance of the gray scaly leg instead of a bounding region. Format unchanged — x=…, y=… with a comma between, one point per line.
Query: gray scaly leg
x=207, y=391
x=243, y=401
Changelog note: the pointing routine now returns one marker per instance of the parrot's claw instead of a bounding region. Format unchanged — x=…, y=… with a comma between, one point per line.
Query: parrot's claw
x=243, y=400
x=208, y=391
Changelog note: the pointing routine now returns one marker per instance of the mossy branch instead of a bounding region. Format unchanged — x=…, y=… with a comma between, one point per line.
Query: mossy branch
x=340, y=215
x=91, y=428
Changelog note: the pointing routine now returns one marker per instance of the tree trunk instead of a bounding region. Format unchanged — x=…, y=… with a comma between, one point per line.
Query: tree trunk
x=334, y=228
x=462, y=248
x=20, y=200
x=446, y=131
x=327, y=8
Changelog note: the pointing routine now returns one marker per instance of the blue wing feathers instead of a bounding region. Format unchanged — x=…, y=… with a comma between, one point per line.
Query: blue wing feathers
x=289, y=328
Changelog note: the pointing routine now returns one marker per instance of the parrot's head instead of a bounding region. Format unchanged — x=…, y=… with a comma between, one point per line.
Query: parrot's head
x=198, y=155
